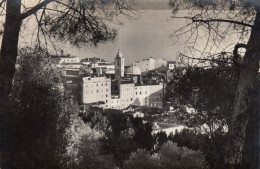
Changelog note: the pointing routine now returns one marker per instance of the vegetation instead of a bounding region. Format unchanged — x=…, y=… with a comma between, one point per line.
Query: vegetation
x=79, y=22
x=143, y=160
x=170, y=156
x=218, y=20
x=123, y=134
x=40, y=115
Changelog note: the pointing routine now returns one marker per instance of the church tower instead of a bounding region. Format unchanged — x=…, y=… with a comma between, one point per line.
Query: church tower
x=119, y=65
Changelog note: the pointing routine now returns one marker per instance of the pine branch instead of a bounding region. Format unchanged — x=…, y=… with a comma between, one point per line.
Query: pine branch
x=35, y=9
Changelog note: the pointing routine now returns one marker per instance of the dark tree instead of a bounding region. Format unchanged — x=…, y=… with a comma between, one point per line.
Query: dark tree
x=123, y=134
x=217, y=19
x=79, y=22
x=39, y=115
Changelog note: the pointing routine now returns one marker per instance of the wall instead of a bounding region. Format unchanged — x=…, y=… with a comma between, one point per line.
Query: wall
x=150, y=64
x=127, y=94
x=95, y=89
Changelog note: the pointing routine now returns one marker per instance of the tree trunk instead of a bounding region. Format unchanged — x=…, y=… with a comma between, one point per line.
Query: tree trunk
x=245, y=97
x=8, y=55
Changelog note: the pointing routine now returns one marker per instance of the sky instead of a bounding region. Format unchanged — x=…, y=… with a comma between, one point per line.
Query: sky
x=147, y=36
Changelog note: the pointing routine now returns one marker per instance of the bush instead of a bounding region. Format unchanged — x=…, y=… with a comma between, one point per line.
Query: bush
x=141, y=159
x=89, y=156
x=172, y=156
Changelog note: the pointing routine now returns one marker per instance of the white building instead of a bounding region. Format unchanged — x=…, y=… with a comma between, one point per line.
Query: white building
x=127, y=88
x=150, y=95
x=126, y=94
x=142, y=95
x=150, y=64
x=95, y=90
x=115, y=102
x=69, y=60
x=156, y=95
x=171, y=65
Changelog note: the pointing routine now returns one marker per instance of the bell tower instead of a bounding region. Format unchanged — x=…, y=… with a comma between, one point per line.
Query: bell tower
x=119, y=65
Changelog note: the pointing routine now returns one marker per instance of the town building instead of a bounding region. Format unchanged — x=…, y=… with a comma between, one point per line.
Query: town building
x=67, y=60
x=150, y=64
x=126, y=93
x=115, y=102
x=96, y=90
x=171, y=65
x=121, y=87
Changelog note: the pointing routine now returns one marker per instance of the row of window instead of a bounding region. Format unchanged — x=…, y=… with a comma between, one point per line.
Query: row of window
x=116, y=101
x=136, y=93
x=141, y=88
x=127, y=100
x=128, y=89
x=97, y=91
x=92, y=85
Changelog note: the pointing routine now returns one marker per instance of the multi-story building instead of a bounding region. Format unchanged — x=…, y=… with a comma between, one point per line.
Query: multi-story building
x=156, y=94
x=68, y=60
x=142, y=95
x=96, y=90
x=150, y=95
x=125, y=89
x=115, y=102
x=126, y=93
x=93, y=62
x=150, y=64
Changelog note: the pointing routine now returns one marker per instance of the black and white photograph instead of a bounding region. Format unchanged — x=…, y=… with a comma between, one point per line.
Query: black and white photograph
x=129, y=84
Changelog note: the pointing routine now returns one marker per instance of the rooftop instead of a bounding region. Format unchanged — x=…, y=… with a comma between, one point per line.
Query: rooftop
x=119, y=54
x=93, y=60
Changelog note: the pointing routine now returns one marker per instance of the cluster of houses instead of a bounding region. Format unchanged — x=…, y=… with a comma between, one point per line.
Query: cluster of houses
x=95, y=82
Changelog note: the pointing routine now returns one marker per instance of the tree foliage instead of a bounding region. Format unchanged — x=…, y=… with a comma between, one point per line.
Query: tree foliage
x=205, y=96
x=39, y=117
x=217, y=20
x=79, y=22
x=173, y=156
x=123, y=134
x=89, y=156
x=143, y=160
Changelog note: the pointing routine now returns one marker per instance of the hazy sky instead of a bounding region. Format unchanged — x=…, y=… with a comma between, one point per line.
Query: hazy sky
x=145, y=37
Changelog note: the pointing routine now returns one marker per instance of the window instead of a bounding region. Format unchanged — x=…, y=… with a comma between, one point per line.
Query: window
x=97, y=84
x=106, y=101
x=136, y=93
x=101, y=84
x=131, y=99
x=106, y=95
x=140, y=93
x=97, y=90
x=106, y=90
x=106, y=84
